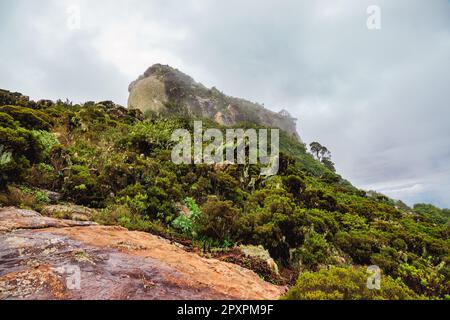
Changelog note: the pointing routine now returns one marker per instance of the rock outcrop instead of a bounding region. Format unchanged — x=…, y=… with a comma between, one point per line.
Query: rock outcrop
x=162, y=88
x=46, y=258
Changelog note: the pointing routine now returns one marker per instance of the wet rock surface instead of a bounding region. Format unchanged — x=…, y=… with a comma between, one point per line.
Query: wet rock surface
x=45, y=258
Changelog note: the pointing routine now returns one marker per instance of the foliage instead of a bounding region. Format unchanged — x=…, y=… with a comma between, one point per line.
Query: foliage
x=47, y=140
x=5, y=157
x=186, y=223
x=322, y=154
x=436, y=215
x=28, y=118
x=218, y=220
x=346, y=284
x=111, y=158
x=6, y=121
x=20, y=149
x=314, y=252
x=23, y=197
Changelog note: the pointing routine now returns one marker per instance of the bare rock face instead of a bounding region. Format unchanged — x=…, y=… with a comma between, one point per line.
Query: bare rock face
x=161, y=87
x=45, y=258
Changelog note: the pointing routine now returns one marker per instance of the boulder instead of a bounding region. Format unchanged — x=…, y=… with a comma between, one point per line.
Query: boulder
x=259, y=252
x=69, y=211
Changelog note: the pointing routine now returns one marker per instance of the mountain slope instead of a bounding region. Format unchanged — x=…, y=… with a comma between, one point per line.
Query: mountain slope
x=311, y=221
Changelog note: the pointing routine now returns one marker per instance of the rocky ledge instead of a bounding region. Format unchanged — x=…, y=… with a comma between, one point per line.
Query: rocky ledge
x=47, y=258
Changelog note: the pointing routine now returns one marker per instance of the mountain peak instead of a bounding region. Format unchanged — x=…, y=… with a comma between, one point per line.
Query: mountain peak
x=163, y=84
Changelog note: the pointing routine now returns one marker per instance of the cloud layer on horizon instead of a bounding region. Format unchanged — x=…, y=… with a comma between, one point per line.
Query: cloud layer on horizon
x=379, y=100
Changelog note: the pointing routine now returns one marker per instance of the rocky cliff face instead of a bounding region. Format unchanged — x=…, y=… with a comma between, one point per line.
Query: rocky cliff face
x=162, y=87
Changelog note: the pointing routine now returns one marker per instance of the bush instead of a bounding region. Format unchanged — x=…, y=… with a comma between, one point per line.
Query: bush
x=319, y=199
x=186, y=224
x=6, y=121
x=149, y=137
x=388, y=259
x=294, y=185
x=81, y=186
x=424, y=278
x=433, y=213
x=28, y=118
x=219, y=220
x=6, y=166
x=314, y=252
x=346, y=284
x=360, y=245
x=21, y=142
x=43, y=176
x=20, y=150
x=47, y=141
x=23, y=197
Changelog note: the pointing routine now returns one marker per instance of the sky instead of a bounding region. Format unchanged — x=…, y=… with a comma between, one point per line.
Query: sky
x=379, y=99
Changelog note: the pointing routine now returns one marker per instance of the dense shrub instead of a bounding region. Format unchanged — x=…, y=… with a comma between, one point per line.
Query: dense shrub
x=219, y=219
x=295, y=185
x=359, y=245
x=46, y=140
x=188, y=224
x=20, y=149
x=346, y=284
x=6, y=121
x=148, y=138
x=314, y=252
x=433, y=213
x=80, y=185
x=28, y=118
x=425, y=278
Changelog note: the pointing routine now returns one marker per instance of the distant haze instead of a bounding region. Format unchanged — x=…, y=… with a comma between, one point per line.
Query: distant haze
x=378, y=99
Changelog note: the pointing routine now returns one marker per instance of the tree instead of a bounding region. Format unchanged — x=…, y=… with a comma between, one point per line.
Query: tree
x=322, y=154
x=316, y=149
x=329, y=164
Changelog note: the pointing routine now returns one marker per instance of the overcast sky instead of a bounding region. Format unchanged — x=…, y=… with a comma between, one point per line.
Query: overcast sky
x=378, y=99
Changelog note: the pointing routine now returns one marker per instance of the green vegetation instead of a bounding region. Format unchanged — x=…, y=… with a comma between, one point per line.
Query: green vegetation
x=434, y=214
x=346, y=284
x=311, y=220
